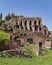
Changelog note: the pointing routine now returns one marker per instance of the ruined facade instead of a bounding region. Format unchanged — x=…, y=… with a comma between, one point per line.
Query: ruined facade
x=30, y=24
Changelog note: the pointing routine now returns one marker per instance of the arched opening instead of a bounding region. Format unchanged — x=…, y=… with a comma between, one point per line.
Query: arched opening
x=21, y=24
x=36, y=28
x=30, y=22
x=39, y=22
x=26, y=28
x=39, y=28
x=25, y=23
x=17, y=26
x=30, y=28
x=30, y=40
x=35, y=22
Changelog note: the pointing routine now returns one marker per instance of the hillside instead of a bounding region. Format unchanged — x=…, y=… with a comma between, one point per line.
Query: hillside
x=35, y=60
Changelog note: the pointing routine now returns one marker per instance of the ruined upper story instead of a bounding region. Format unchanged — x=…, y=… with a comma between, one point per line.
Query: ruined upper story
x=33, y=24
x=30, y=20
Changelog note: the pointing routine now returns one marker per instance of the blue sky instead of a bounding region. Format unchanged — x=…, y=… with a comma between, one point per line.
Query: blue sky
x=31, y=8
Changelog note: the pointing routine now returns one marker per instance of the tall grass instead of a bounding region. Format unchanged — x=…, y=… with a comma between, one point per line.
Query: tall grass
x=35, y=60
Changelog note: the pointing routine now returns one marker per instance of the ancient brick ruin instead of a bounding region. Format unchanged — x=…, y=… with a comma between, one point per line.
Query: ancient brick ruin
x=37, y=32
x=32, y=24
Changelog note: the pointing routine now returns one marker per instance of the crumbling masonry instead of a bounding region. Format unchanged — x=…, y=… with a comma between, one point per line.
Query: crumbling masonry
x=31, y=24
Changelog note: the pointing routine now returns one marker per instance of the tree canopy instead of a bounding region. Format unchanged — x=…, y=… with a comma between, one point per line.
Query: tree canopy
x=1, y=22
x=8, y=17
x=3, y=36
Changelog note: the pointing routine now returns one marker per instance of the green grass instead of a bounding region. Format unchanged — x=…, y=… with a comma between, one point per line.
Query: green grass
x=36, y=60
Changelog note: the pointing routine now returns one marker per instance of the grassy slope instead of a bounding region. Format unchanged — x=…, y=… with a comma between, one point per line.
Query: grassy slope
x=40, y=60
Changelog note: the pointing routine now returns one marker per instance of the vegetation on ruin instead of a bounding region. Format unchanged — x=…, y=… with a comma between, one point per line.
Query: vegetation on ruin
x=4, y=38
x=35, y=60
x=1, y=22
x=50, y=39
x=7, y=17
x=26, y=31
x=11, y=15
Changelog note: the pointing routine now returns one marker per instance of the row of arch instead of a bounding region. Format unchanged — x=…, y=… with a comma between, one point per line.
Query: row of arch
x=30, y=22
x=31, y=29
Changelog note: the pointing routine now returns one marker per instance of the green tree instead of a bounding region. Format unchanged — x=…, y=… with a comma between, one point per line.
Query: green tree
x=8, y=17
x=4, y=38
x=12, y=15
x=0, y=15
x=1, y=22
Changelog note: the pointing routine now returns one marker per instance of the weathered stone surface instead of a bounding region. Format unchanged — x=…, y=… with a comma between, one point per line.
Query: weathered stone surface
x=32, y=24
x=48, y=43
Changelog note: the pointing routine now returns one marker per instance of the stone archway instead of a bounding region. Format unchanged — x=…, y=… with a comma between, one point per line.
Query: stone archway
x=35, y=22
x=30, y=40
x=25, y=23
x=30, y=22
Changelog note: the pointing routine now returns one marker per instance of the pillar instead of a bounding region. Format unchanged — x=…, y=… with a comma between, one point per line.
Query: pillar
x=39, y=48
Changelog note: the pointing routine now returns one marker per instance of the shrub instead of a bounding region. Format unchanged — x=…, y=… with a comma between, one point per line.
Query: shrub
x=4, y=38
